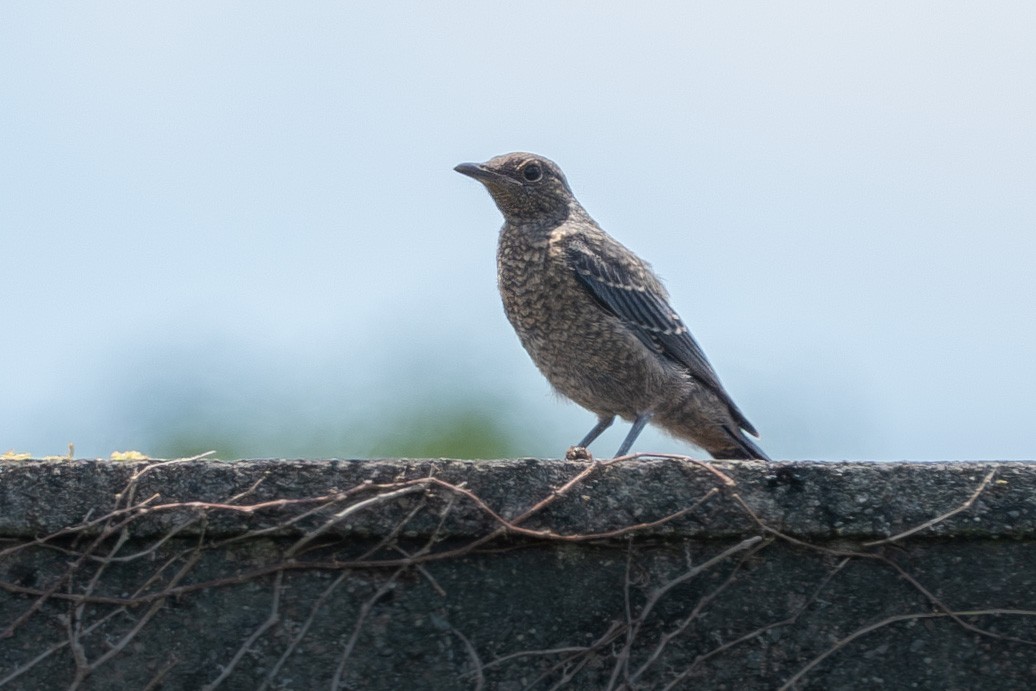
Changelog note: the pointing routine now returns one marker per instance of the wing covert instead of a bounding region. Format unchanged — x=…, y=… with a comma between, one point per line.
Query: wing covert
x=646, y=311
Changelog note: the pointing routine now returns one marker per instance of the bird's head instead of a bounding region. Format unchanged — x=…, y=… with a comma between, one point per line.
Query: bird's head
x=525, y=187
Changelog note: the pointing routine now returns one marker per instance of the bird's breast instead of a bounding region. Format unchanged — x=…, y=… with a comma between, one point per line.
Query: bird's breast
x=585, y=352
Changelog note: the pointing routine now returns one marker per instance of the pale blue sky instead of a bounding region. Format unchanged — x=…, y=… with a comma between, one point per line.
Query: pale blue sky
x=250, y=207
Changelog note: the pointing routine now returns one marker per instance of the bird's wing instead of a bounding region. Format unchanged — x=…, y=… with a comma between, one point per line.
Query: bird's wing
x=642, y=305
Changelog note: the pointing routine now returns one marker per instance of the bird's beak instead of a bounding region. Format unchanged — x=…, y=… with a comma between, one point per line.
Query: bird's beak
x=484, y=175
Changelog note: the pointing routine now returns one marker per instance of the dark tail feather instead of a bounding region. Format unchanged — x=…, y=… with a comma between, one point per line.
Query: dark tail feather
x=741, y=448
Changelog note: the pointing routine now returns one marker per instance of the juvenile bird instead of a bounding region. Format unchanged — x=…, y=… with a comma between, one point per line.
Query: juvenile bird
x=596, y=319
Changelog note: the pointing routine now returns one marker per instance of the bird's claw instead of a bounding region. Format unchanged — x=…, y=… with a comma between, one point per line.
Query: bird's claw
x=578, y=453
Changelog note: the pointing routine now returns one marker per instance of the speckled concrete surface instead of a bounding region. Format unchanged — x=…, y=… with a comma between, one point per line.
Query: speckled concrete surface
x=288, y=574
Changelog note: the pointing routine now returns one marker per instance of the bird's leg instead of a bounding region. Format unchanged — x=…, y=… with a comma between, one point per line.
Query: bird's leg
x=603, y=423
x=635, y=430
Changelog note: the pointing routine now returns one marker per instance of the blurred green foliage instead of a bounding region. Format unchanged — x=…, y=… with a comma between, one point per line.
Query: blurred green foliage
x=458, y=432
x=452, y=429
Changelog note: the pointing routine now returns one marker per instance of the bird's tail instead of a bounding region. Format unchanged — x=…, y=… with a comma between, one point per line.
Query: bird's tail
x=703, y=423
x=738, y=448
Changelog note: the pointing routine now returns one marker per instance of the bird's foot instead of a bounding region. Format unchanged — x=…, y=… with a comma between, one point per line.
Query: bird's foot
x=578, y=453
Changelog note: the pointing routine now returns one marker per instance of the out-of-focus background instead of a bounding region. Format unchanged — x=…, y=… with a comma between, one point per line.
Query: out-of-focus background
x=234, y=226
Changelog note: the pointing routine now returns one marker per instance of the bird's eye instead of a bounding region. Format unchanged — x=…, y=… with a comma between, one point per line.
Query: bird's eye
x=532, y=172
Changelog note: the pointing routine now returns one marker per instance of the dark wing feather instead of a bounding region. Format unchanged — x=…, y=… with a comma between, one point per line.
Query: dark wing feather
x=646, y=311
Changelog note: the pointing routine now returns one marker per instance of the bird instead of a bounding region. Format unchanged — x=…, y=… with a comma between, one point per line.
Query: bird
x=596, y=319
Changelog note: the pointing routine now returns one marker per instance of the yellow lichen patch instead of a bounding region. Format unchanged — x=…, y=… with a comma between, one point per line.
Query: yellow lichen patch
x=128, y=456
x=69, y=457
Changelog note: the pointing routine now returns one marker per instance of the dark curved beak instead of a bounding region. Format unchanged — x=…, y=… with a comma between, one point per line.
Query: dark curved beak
x=484, y=175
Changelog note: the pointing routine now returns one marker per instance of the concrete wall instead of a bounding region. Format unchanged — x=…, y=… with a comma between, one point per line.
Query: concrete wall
x=642, y=574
